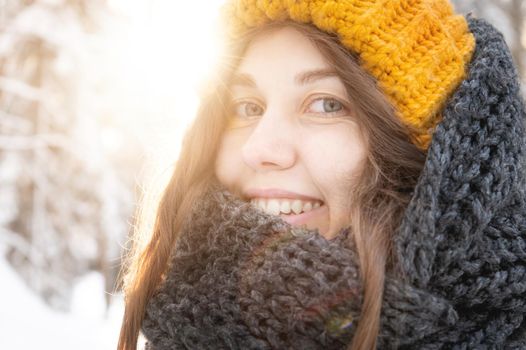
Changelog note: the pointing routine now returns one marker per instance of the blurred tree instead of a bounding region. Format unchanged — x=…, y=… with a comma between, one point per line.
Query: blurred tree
x=64, y=209
x=508, y=16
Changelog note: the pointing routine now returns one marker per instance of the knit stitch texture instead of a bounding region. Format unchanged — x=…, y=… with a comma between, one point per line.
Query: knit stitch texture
x=243, y=279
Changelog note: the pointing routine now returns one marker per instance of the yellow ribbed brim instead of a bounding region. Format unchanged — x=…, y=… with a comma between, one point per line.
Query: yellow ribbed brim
x=418, y=50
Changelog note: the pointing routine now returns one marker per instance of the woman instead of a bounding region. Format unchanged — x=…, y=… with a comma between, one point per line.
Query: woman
x=356, y=181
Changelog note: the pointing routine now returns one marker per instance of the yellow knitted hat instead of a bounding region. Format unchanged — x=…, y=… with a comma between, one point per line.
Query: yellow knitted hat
x=416, y=49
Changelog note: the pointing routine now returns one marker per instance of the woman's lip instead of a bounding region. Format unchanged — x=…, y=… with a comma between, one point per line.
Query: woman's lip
x=300, y=219
x=277, y=193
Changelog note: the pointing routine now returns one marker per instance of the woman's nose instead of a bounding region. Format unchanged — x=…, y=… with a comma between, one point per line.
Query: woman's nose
x=270, y=146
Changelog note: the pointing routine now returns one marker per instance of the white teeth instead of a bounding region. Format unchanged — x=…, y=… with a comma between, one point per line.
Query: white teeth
x=273, y=207
x=262, y=204
x=285, y=207
x=296, y=206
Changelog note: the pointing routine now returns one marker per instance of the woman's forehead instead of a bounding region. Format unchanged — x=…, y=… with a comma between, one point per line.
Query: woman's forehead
x=285, y=43
x=284, y=51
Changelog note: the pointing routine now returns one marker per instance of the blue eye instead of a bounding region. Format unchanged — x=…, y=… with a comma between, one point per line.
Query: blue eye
x=326, y=105
x=247, y=109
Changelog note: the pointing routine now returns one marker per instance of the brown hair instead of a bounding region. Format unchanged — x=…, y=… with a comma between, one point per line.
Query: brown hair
x=381, y=192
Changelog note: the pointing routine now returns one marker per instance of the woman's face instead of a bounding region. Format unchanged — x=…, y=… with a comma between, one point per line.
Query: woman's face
x=293, y=144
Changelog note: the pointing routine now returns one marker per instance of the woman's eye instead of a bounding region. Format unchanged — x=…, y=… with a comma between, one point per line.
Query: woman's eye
x=326, y=105
x=247, y=109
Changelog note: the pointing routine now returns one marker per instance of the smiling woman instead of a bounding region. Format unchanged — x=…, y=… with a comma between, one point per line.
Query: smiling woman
x=344, y=186
x=290, y=120
x=297, y=149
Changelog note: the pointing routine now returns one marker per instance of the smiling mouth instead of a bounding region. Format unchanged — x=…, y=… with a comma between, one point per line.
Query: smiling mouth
x=285, y=206
x=294, y=211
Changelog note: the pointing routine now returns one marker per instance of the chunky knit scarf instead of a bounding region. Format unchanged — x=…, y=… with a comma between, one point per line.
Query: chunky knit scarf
x=243, y=279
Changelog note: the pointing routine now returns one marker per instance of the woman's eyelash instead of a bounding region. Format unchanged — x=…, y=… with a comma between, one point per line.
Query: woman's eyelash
x=251, y=108
x=327, y=102
x=236, y=106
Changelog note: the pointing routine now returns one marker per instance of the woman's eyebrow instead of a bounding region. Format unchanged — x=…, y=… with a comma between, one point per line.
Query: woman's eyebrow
x=303, y=78
x=310, y=76
x=242, y=79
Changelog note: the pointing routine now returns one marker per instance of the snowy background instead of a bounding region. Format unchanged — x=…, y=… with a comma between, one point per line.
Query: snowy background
x=94, y=99
x=95, y=96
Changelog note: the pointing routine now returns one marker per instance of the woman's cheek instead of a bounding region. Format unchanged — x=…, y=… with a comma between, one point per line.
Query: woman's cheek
x=227, y=162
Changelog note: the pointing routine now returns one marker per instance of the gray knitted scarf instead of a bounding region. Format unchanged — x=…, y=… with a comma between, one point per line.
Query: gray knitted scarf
x=243, y=279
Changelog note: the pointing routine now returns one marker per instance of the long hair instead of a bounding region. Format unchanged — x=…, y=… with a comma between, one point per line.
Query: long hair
x=381, y=191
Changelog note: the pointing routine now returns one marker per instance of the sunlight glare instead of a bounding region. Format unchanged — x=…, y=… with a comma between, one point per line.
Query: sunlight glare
x=166, y=50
